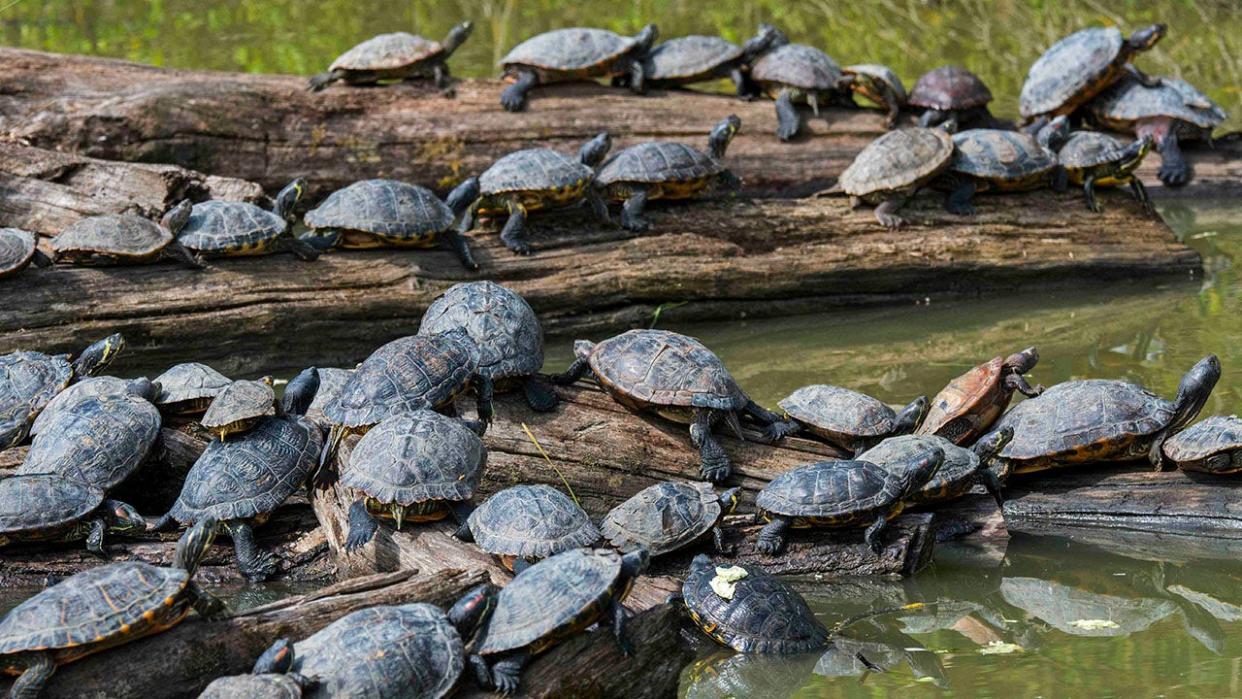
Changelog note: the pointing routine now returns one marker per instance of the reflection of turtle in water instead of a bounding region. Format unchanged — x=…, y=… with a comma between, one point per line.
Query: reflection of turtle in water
x=727, y=675
x=1079, y=612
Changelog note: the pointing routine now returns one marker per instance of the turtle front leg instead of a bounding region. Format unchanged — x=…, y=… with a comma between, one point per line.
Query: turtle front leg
x=41, y=259
x=598, y=206
x=577, y=370
x=513, y=99
x=886, y=212
x=779, y=430
x=1155, y=454
x=206, y=604
x=1017, y=382
x=483, y=389
x=788, y=121
x=874, y=534
x=959, y=200
x=932, y=117
x=1174, y=170
x=718, y=542
x=619, y=617
x=714, y=462
x=507, y=672
x=304, y=250
x=181, y=254
x=460, y=511
x=638, y=77
x=255, y=563
x=894, y=109
x=482, y=673
x=444, y=80
x=742, y=84
x=95, y=539
x=513, y=235
x=539, y=396
x=39, y=669
x=772, y=537
x=1088, y=190
x=1059, y=180
x=362, y=526
x=632, y=211
x=1139, y=190
x=460, y=247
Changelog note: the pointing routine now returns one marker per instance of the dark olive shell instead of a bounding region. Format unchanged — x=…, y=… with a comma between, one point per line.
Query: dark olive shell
x=1129, y=100
x=28, y=382
x=189, y=382
x=535, y=169
x=1086, y=149
x=382, y=207
x=1214, y=435
x=949, y=87
x=897, y=161
x=957, y=471
x=570, y=50
x=219, y=227
x=500, y=322
x=663, y=517
x=659, y=161
x=1068, y=69
x=530, y=521
x=840, y=411
x=830, y=490
x=997, y=155
x=92, y=386
x=98, y=439
x=417, y=457
x=267, y=686
x=121, y=235
x=240, y=401
x=690, y=56
x=17, y=249
x=658, y=367
x=387, y=52
x=799, y=66
x=43, y=501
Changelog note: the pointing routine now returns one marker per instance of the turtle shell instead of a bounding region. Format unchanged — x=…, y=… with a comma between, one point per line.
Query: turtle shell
x=124, y=236
x=416, y=457
x=899, y=160
x=1129, y=100
x=92, y=386
x=498, y=319
x=534, y=169
x=189, y=387
x=956, y=472
x=1087, y=149
x=28, y=382
x=799, y=66
x=232, y=227
x=830, y=490
x=98, y=439
x=882, y=73
x=17, y=249
x=386, y=208
x=240, y=401
x=1215, y=435
x=688, y=57
x=662, y=368
x=1000, y=156
x=331, y=381
x=387, y=52
x=572, y=50
x=1069, y=73
x=659, y=161
x=949, y=87
x=764, y=615
x=251, y=474
x=530, y=521
x=663, y=517
x=42, y=501
x=410, y=650
x=839, y=414
x=267, y=686
x=969, y=404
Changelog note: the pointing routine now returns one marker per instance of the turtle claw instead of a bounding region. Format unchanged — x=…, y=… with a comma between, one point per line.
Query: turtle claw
x=263, y=566
x=1173, y=175
x=890, y=221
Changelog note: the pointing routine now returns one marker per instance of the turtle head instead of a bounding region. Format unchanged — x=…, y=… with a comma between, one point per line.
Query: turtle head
x=722, y=135
x=193, y=545
x=456, y=37
x=765, y=39
x=143, y=388
x=463, y=195
x=1193, y=391
x=1134, y=153
x=646, y=38
x=729, y=500
x=472, y=611
x=276, y=660
x=1022, y=362
x=583, y=348
x=123, y=518
x=288, y=198
x=99, y=355
x=300, y=392
x=177, y=216
x=1145, y=38
x=635, y=562
x=920, y=469
x=1054, y=134
x=593, y=151
x=778, y=39
x=911, y=416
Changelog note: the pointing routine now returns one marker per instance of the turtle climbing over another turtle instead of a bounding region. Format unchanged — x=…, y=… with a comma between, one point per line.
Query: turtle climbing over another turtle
x=239, y=407
x=1093, y=159
x=1211, y=446
x=879, y=84
x=43, y=507
x=950, y=97
x=696, y=58
x=395, y=56
x=848, y=419
x=968, y=405
x=575, y=54
x=18, y=248
x=961, y=470
x=791, y=73
x=668, y=516
x=189, y=388
x=893, y=167
x=97, y=386
x=1003, y=161
x=239, y=229
x=525, y=523
x=116, y=239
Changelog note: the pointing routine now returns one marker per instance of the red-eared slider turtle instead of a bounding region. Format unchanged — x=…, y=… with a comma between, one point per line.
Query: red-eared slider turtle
x=116, y=239
x=524, y=523
x=18, y=249
x=1168, y=113
x=505, y=328
x=666, y=170
x=1093, y=159
x=238, y=228
x=793, y=73
x=841, y=494
x=697, y=58
x=1080, y=66
x=1102, y=421
x=537, y=179
x=674, y=376
x=848, y=419
x=418, y=467
x=667, y=516
x=188, y=388
x=880, y=85
x=378, y=213
x=101, y=608
x=575, y=54
x=552, y=600
x=966, y=407
x=893, y=167
x=1211, y=446
x=97, y=386
x=30, y=380
x=239, y=407
x=1003, y=161
x=395, y=56
x=50, y=507
x=951, y=96
x=961, y=470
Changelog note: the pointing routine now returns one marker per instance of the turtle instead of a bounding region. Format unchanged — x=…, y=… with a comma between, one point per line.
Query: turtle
x=1080, y=66
x=1102, y=421
x=535, y=179
x=239, y=407
x=961, y=470
x=848, y=419
x=524, y=523
x=666, y=170
x=101, y=608
x=1093, y=159
x=1211, y=446
x=264, y=686
x=418, y=467
x=968, y=405
x=377, y=213
x=18, y=248
x=1003, y=161
x=189, y=388
x=1169, y=113
x=114, y=239
x=91, y=386
x=415, y=372
x=331, y=381
x=238, y=228
x=554, y=599
x=30, y=380
x=674, y=376
x=576, y=53
x=893, y=167
x=42, y=507
x=951, y=96
x=669, y=515
x=879, y=84
x=395, y=56
x=697, y=58
x=841, y=494
x=240, y=482
x=762, y=615
x=506, y=330
x=791, y=73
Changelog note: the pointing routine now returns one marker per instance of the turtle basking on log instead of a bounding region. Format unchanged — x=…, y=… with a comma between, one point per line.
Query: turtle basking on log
x=575, y=54
x=395, y=56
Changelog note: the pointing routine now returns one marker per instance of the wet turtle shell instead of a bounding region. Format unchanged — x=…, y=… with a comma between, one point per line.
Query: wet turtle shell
x=1129, y=100
x=124, y=236
x=417, y=457
x=44, y=502
x=882, y=73
x=189, y=388
x=663, y=517
x=266, y=686
x=1072, y=71
x=498, y=319
x=1088, y=149
x=530, y=521
x=838, y=414
x=575, y=51
x=900, y=160
x=955, y=477
x=331, y=381
x=98, y=439
x=538, y=170
x=690, y=58
x=1218, y=435
x=239, y=406
x=28, y=382
x=394, y=212
x=387, y=52
x=970, y=403
x=93, y=386
x=659, y=162
x=17, y=249
x=949, y=88
x=1003, y=158
x=231, y=227
x=833, y=493
x=797, y=66
x=654, y=368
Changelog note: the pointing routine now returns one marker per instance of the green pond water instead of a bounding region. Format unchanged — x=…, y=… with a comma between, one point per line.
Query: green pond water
x=1113, y=618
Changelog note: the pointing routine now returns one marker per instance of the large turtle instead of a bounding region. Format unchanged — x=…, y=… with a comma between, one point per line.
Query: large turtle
x=44, y=507
x=395, y=56
x=879, y=84
x=1093, y=159
x=552, y=600
x=505, y=328
x=841, y=494
x=1102, y=421
x=575, y=54
x=238, y=228
x=114, y=239
x=951, y=96
x=524, y=523
x=968, y=406
x=893, y=167
x=669, y=515
x=101, y=608
x=189, y=388
x=18, y=249
x=1211, y=446
x=698, y=58
x=792, y=73
x=87, y=387
x=674, y=376
x=666, y=170
x=848, y=419
x=961, y=470
x=239, y=407
x=1003, y=161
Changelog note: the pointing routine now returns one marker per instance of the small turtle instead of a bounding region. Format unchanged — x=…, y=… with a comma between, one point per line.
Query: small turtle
x=505, y=328
x=893, y=167
x=961, y=470
x=524, y=523
x=189, y=388
x=376, y=213
x=395, y=56
x=1211, y=446
x=265, y=686
x=674, y=376
x=668, y=516
x=841, y=494
x=1093, y=159
x=666, y=170
x=100, y=608
x=1080, y=66
x=968, y=406
x=537, y=179
x=575, y=54
x=238, y=228
x=239, y=407
x=696, y=58
x=792, y=73
x=879, y=84
x=552, y=600
x=18, y=249
x=1003, y=161
x=42, y=507
x=115, y=239
x=1102, y=421
x=848, y=419
x=97, y=386
x=951, y=96
x=417, y=467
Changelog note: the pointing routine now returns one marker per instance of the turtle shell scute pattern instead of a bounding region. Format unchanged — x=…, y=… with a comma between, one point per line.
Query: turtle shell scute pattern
x=949, y=87
x=966, y=396
x=898, y=160
x=43, y=501
x=799, y=66
x=765, y=615
x=28, y=382
x=1130, y=100
x=1086, y=149
x=498, y=319
x=662, y=517
x=657, y=162
x=189, y=381
x=1069, y=70
x=662, y=368
x=569, y=50
x=690, y=56
x=828, y=489
x=387, y=52
x=532, y=170
x=1213, y=435
x=99, y=439
x=417, y=457
x=531, y=521
x=894, y=453
x=240, y=400
x=993, y=154
x=123, y=235
x=331, y=381
x=95, y=386
x=839, y=410
x=222, y=226
x=268, y=686
x=382, y=207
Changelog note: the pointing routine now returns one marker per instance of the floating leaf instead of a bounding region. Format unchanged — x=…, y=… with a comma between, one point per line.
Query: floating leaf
x=1000, y=648
x=1094, y=624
